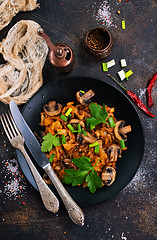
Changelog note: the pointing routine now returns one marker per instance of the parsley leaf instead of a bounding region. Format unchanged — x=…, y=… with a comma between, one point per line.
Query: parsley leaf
x=93, y=181
x=85, y=172
x=74, y=176
x=83, y=163
x=49, y=142
x=99, y=114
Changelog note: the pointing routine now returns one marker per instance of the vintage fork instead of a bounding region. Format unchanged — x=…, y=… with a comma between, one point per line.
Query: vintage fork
x=17, y=141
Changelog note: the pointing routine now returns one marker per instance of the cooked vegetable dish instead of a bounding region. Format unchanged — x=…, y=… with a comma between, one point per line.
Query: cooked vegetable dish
x=83, y=141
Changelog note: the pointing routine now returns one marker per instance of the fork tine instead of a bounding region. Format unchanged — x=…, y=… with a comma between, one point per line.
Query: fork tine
x=15, y=127
x=11, y=125
x=5, y=126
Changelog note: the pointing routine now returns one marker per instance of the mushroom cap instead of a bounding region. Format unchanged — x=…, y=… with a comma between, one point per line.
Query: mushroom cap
x=114, y=152
x=108, y=175
x=52, y=108
x=84, y=98
x=120, y=131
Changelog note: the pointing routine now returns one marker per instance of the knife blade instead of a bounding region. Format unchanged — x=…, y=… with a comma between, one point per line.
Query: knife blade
x=30, y=139
x=74, y=211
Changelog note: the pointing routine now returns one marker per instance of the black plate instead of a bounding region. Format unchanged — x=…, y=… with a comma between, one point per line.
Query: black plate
x=64, y=91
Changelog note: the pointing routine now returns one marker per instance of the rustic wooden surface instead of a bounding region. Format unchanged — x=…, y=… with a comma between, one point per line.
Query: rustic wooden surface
x=130, y=215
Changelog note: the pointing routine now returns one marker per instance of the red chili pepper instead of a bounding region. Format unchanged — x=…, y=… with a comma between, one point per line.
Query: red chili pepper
x=135, y=98
x=149, y=90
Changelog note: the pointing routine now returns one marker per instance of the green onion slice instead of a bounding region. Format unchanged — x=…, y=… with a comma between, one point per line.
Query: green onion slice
x=79, y=128
x=68, y=112
x=104, y=67
x=93, y=144
x=111, y=122
x=52, y=157
x=64, y=118
x=122, y=144
x=70, y=127
x=97, y=148
x=82, y=91
x=123, y=24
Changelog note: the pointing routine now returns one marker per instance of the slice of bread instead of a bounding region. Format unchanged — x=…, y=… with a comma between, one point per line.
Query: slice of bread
x=25, y=53
x=9, y=8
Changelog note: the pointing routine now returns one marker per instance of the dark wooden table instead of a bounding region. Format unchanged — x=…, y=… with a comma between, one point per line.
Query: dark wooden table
x=131, y=214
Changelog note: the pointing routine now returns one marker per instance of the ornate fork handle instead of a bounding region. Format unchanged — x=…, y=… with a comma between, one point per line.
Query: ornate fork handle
x=73, y=209
x=49, y=199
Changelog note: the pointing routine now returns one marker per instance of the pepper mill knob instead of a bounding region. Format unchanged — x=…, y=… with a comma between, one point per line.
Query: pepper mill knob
x=60, y=55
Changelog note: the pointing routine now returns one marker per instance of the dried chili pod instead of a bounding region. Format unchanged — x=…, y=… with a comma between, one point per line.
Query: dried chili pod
x=134, y=98
x=149, y=90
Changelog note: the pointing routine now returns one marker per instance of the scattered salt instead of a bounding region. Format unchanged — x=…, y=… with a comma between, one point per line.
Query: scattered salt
x=142, y=93
x=14, y=183
x=103, y=14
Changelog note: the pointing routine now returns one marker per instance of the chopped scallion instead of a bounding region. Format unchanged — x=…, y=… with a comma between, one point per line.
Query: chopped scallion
x=93, y=144
x=82, y=91
x=63, y=139
x=97, y=148
x=123, y=63
x=104, y=67
x=111, y=122
x=84, y=132
x=122, y=144
x=70, y=127
x=74, y=131
x=52, y=157
x=111, y=63
x=68, y=112
x=129, y=73
x=122, y=75
x=123, y=24
x=64, y=118
x=79, y=128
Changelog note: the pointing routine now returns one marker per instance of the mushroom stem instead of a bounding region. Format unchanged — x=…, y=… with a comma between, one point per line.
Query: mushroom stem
x=125, y=129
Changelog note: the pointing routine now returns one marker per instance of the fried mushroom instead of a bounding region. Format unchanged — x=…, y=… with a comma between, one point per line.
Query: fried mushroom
x=114, y=151
x=77, y=121
x=84, y=98
x=52, y=108
x=47, y=179
x=120, y=131
x=108, y=175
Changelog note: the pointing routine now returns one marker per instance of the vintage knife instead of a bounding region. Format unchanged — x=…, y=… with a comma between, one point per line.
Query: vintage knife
x=34, y=147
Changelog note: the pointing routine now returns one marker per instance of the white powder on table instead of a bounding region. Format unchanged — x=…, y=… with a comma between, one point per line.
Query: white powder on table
x=14, y=182
x=103, y=14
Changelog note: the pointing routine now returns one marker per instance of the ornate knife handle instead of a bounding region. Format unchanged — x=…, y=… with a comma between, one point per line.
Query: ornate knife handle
x=74, y=211
x=49, y=199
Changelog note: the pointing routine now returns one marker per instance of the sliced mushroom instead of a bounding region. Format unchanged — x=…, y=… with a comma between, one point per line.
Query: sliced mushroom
x=80, y=138
x=89, y=138
x=120, y=131
x=68, y=163
x=108, y=175
x=77, y=121
x=47, y=179
x=52, y=108
x=84, y=98
x=114, y=152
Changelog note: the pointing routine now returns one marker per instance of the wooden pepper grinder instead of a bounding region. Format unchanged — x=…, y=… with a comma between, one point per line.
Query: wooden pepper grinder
x=60, y=55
